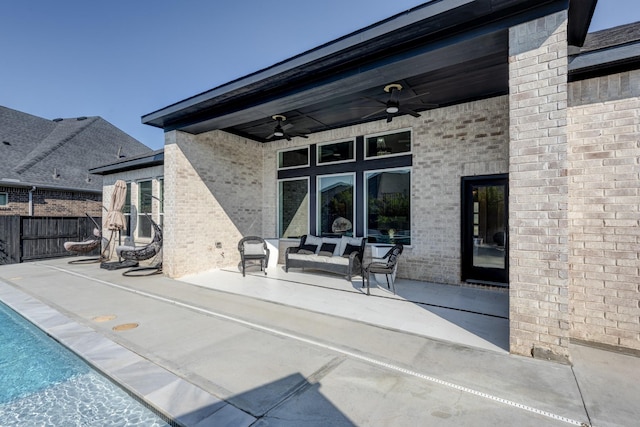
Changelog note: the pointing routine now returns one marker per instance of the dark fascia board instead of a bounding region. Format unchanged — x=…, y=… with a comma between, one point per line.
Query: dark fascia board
x=605, y=61
x=145, y=161
x=453, y=16
x=580, y=15
x=37, y=186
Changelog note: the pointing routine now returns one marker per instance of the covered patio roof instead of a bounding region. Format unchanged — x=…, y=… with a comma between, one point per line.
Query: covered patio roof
x=441, y=53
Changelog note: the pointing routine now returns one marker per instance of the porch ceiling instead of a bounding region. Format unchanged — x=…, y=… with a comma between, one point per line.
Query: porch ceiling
x=443, y=52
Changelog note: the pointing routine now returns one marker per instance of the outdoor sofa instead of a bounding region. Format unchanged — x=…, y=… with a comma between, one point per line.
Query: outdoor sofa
x=341, y=255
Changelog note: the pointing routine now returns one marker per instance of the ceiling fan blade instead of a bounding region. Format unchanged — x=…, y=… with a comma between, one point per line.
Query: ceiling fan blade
x=389, y=118
x=408, y=111
x=271, y=136
x=375, y=113
x=287, y=126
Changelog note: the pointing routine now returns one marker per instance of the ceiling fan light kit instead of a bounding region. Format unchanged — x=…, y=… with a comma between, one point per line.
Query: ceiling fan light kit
x=279, y=130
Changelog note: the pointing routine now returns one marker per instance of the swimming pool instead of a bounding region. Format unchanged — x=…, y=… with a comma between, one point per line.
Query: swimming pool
x=44, y=384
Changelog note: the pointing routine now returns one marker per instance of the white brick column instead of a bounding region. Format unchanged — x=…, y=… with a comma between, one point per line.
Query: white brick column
x=538, y=188
x=213, y=197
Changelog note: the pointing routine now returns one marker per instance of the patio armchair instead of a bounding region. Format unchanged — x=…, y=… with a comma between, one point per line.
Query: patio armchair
x=387, y=268
x=253, y=248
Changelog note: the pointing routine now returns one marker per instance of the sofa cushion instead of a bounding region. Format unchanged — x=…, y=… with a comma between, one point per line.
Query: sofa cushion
x=327, y=249
x=313, y=240
x=312, y=258
x=253, y=249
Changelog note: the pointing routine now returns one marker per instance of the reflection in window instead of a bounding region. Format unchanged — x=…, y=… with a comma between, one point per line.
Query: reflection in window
x=387, y=145
x=336, y=152
x=388, y=206
x=293, y=158
x=144, y=207
x=335, y=205
x=293, y=208
x=489, y=226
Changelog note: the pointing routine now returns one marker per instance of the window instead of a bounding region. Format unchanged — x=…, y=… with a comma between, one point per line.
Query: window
x=297, y=157
x=388, y=145
x=335, y=205
x=293, y=208
x=336, y=152
x=4, y=199
x=388, y=206
x=144, y=207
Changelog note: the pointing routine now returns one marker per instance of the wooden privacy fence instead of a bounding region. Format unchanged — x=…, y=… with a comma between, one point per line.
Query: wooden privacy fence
x=29, y=238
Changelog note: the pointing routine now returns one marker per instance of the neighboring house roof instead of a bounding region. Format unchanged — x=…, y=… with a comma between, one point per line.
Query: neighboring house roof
x=616, y=36
x=59, y=153
x=442, y=52
x=609, y=51
x=155, y=158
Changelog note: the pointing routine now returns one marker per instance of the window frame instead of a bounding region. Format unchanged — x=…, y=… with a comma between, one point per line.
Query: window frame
x=365, y=184
x=352, y=141
x=278, y=152
x=141, y=214
x=354, y=197
x=386, y=133
x=4, y=195
x=161, y=201
x=278, y=207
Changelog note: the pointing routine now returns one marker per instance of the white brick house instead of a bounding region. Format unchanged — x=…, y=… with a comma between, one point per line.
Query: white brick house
x=525, y=174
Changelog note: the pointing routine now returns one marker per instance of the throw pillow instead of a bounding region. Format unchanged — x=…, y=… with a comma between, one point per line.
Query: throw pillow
x=346, y=240
x=327, y=249
x=350, y=248
x=307, y=249
x=312, y=240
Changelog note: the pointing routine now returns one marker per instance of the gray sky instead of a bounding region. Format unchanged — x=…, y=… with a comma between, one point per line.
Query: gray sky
x=121, y=59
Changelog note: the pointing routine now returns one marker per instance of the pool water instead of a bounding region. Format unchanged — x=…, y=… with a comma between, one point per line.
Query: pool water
x=44, y=384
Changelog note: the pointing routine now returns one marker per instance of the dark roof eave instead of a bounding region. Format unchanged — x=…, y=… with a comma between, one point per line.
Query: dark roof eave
x=154, y=159
x=393, y=23
x=605, y=61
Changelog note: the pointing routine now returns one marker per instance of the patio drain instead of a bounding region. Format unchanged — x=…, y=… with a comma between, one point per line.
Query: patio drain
x=106, y=318
x=125, y=327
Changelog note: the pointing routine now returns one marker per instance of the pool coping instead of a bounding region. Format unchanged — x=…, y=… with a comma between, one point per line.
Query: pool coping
x=182, y=402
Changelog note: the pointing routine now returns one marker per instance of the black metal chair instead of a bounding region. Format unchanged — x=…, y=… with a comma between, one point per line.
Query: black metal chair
x=387, y=268
x=253, y=248
x=133, y=255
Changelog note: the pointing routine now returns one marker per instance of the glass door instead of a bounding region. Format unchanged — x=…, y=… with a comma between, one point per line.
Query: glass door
x=484, y=229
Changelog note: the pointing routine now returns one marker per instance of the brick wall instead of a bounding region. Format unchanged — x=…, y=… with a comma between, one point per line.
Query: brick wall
x=448, y=143
x=51, y=202
x=213, y=197
x=604, y=185
x=538, y=187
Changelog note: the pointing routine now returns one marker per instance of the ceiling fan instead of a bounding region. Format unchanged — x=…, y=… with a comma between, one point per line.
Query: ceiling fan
x=393, y=108
x=281, y=131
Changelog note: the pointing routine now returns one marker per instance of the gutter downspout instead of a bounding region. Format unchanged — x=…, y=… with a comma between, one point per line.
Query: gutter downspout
x=31, y=200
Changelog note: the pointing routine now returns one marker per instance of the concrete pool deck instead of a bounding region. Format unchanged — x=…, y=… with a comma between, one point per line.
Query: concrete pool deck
x=307, y=349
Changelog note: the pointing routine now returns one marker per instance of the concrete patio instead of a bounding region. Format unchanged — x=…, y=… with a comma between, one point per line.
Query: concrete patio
x=302, y=348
